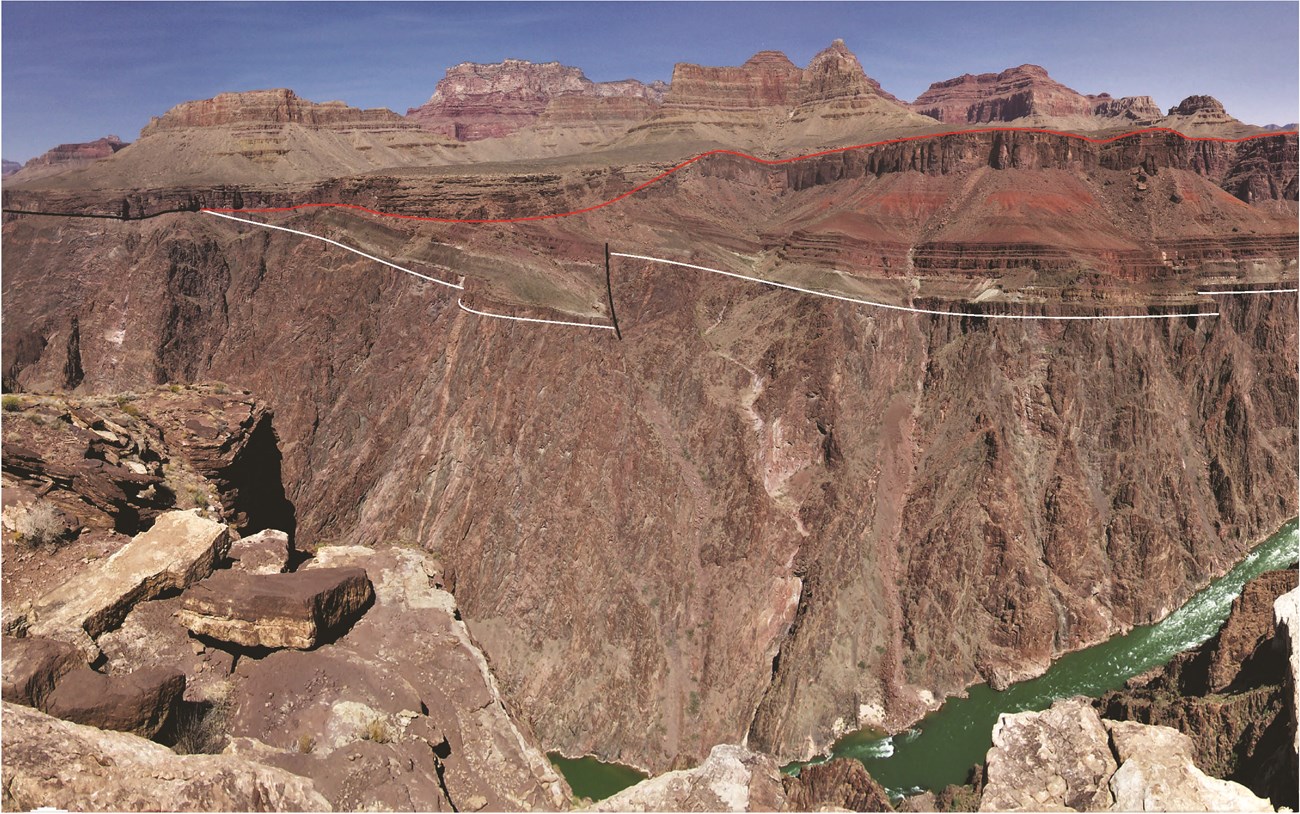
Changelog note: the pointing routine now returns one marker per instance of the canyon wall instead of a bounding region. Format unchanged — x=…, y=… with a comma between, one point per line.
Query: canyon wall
x=761, y=513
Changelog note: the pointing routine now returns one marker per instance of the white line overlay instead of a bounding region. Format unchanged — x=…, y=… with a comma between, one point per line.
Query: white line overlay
x=340, y=245
x=533, y=319
x=1251, y=291
x=905, y=307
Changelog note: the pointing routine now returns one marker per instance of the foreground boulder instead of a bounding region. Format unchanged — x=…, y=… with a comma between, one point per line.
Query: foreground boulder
x=276, y=610
x=180, y=549
x=1067, y=757
x=48, y=762
x=140, y=702
x=401, y=711
x=731, y=778
x=33, y=665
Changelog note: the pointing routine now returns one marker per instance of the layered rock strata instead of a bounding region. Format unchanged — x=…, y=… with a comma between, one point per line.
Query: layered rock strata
x=295, y=610
x=1015, y=93
x=475, y=101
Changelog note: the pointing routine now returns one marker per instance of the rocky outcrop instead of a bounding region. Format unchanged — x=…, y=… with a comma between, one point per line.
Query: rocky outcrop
x=295, y=610
x=475, y=101
x=278, y=106
x=1068, y=758
x=837, y=784
x=179, y=550
x=1230, y=696
x=402, y=708
x=1015, y=93
x=731, y=778
x=768, y=79
x=140, y=702
x=1041, y=761
x=267, y=552
x=1139, y=110
x=1157, y=773
x=33, y=665
x=48, y=762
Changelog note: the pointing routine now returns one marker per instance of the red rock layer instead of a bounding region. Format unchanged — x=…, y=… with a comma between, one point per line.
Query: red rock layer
x=767, y=79
x=478, y=101
x=1002, y=97
x=79, y=152
x=279, y=106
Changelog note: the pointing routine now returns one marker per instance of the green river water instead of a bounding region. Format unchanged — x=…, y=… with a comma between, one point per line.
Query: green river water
x=943, y=746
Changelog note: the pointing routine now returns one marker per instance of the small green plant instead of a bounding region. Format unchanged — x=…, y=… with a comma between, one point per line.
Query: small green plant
x=693, y=707
x=175, y=388
x=199, y=498
x=306, y=744
x=376, y=731
x=11, y=403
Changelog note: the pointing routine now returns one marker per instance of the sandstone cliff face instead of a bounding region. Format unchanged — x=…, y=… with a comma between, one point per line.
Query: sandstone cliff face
x=894, y=505
x=1000, y=97
x=478, y=101
x=279, y=106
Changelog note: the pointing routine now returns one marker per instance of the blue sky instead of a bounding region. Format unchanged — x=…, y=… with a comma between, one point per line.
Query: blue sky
x=77, y=71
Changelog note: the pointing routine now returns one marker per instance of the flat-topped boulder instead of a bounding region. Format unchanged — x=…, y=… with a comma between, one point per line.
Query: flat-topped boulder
x=292, y=610
x=266, y=552
x=139, y=702
x=180, y=549
x=49, y=762
x=33, y=665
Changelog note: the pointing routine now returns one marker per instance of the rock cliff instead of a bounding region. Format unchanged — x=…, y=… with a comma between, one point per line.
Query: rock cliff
x=475, y=101
x=1015, y=93
x=769, y=100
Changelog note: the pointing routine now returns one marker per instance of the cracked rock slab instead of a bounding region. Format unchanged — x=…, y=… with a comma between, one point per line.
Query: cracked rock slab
x=294, y=610
x=180, y=549
x=49, y=762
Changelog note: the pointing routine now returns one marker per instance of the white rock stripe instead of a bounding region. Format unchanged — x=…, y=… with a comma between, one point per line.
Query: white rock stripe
x=336, y=243
x=905, y=307
x=533, y=319
x=1251, y=291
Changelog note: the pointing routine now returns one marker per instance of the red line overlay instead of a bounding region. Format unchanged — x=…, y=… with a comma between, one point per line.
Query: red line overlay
x=757, y=160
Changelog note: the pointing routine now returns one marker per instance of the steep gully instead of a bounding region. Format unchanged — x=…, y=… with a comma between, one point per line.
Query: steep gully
x=919, y=486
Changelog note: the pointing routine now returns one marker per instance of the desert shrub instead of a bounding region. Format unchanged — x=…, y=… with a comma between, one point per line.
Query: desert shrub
x=40, y=525
x=11, y=403
x=306, y=744
x=376, y=731
x=202, y=729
